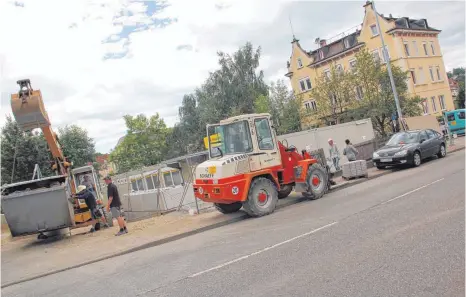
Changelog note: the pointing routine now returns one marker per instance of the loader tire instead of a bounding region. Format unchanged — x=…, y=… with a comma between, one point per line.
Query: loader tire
x=228, y=208
x=317, y=182
x=285, y=191
x=262, y=198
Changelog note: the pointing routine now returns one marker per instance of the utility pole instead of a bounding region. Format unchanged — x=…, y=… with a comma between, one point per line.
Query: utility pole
x=389, y=68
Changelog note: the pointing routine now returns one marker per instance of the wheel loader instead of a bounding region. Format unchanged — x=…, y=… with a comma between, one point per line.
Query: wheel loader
x=42, y=206
x=249, y=168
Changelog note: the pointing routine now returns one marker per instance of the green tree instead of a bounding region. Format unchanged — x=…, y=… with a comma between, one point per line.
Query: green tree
x=262, y=104
x=458, y=74
x=284, y=108
x=20, y=152
x=77, y=146
x=144, y=144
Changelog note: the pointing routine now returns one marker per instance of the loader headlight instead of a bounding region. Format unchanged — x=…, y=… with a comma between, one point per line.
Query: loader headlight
x=298, y=170
x=201, y=190
x=235, y=190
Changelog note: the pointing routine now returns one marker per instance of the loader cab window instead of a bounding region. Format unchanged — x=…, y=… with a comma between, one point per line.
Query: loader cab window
x=264, y=134
x=236, y=138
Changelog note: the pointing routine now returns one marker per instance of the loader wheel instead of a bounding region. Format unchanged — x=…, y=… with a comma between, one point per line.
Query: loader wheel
x=108, y=217
x=317, y=181
x=262, y=197
x=228, y=208
x=285, y=191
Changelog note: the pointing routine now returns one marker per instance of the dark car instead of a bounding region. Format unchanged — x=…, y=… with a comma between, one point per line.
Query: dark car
x=410, y=148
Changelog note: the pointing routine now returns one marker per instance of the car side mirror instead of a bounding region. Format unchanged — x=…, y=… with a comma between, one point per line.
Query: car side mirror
x=422, y=140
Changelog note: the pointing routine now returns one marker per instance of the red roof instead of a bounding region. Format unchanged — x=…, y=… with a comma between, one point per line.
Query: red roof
x=102, y=158
x=453, y=83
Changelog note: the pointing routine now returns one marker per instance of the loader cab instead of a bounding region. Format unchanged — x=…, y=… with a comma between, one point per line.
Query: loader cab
x=250, y=135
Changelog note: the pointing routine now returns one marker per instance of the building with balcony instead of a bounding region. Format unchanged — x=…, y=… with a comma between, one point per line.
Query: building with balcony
x=411, y=44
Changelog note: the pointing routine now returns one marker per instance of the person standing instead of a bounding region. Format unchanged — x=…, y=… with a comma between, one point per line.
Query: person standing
x=114, y=205
x=334, y=154
x=350, y=151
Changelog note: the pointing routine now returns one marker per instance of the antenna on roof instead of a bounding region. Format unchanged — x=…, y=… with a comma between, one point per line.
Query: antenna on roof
x=291, y=26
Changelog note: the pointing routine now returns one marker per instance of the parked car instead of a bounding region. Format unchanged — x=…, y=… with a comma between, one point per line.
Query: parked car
x=410, y=148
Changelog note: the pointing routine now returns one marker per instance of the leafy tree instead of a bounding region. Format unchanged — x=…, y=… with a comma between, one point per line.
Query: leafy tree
x=284, y=108
x=143, y=145
x=77, y=146
x=21, y=151
x=262, y=104
x=334, y=94
x=459, y=75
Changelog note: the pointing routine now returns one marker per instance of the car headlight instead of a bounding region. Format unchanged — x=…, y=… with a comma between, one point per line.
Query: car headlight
x=201, y=190
x=401, y=153
x=375, y=155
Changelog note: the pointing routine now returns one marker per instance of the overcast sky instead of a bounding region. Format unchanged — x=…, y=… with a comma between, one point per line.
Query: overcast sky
x=96, y=62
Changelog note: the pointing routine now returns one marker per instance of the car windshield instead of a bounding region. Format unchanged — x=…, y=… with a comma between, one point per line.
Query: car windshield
x=233, y=138
x=403, y=138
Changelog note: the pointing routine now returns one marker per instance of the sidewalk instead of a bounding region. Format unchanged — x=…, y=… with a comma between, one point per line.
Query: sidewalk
x=26, y=258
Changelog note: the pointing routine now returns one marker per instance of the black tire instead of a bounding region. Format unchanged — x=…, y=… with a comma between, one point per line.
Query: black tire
x=285, y=191
x=108, y=217
x=228, y=208
x=417, y=159
x=442, y=152
x=381, y=167
x=254, y=206
x=316, y=191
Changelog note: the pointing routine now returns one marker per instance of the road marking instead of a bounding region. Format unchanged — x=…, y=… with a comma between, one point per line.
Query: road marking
x=412, y=191
x=263, y=250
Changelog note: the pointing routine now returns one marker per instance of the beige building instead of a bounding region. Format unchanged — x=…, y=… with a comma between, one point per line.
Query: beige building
x=410, y=44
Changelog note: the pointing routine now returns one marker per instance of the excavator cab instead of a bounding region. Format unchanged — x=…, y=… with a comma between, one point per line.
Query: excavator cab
x=28, y=107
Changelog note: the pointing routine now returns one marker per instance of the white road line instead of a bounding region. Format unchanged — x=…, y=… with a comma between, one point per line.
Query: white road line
x=412, y=191
x=263, y=250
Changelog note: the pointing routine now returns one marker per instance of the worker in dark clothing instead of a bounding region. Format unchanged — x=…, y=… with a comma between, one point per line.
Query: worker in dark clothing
x=89, y=199
x=114, y=205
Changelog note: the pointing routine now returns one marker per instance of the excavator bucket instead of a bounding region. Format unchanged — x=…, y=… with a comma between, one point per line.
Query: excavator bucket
x=28, y=107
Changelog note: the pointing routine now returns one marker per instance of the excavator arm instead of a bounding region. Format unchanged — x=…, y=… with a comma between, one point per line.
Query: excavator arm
x=29, y=111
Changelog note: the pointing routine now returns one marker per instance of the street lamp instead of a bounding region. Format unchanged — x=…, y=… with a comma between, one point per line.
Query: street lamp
x=389, y=68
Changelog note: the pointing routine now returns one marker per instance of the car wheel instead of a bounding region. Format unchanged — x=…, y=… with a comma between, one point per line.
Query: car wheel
x=442, y=151
x=416, y=159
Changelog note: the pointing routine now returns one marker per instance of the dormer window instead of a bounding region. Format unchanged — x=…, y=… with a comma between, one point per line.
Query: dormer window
x=347, y=43
x=374, y=30
x=300, y=63
x=321, y=54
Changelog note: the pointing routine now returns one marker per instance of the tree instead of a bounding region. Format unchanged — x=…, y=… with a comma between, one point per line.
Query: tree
x=77, y=146
x=143, y=145
x=334, y=94
x=262, y=104
x=458, y=74
x=20, y=152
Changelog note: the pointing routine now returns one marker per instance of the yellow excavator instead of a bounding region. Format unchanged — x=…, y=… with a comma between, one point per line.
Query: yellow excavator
x=42, y=205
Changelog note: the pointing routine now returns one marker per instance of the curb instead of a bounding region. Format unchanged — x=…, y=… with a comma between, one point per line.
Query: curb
x=196, y=231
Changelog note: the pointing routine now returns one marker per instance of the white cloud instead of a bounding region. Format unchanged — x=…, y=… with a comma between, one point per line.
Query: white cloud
x=64, y=48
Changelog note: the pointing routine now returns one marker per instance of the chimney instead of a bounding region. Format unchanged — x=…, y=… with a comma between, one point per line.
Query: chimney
x=322, y=42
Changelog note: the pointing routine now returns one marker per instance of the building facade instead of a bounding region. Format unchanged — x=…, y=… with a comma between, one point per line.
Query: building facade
x=410, y=44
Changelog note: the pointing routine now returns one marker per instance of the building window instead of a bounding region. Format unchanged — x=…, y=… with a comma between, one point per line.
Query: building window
x=346, y=42
x=305, y=84
x=300, y=63
x=432, y=47
x=352, y=64
x=376, y=56
x=413, y=75
x=431, y=70
x=434, y=105
x=425, y=106
x=321, y=54
x=441, y=100
x=311, y=105
x=386, y=55
x=424, y=46
x=332, y=123
x=438, y=74
x=339, y=69
x=406, y=45
x=422, y=78
x=374, y=30
x=415, y=49
x=359, y=93
x=327, y=74
x=333, y=99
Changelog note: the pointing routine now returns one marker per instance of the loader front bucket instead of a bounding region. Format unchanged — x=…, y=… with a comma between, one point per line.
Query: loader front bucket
x=29, y=111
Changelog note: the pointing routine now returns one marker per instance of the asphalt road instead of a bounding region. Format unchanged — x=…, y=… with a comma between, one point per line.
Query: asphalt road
x=399, y=235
